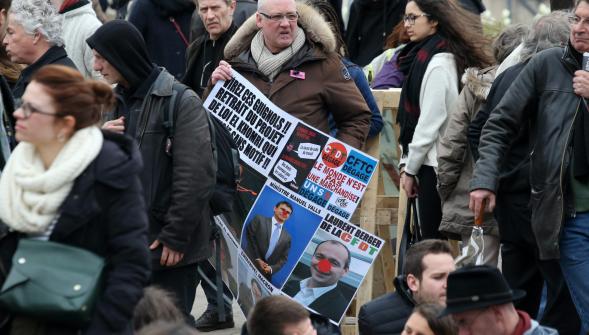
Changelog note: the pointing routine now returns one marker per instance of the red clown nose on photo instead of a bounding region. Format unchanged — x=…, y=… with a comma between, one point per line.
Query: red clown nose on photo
x=324, y=266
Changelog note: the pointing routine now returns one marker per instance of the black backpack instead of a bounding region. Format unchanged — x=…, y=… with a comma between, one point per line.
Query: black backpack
x=225, y=153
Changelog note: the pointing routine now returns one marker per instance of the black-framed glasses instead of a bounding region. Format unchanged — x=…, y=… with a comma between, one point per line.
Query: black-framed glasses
x=410, y=18
x=28, y=109
x=279, y=17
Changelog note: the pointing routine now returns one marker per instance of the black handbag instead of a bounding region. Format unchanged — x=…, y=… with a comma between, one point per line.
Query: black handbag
x=53, y=282
x=411, y=233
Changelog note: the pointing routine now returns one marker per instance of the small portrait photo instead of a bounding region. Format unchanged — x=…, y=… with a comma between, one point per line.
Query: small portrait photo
x=276, y=232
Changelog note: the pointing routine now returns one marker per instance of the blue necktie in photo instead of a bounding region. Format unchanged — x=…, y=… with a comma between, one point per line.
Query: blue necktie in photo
x=273, y=240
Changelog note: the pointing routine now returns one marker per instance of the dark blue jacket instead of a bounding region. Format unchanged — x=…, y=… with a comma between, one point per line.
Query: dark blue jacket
x=387, y=314
x=165, y=45
x=360, y=80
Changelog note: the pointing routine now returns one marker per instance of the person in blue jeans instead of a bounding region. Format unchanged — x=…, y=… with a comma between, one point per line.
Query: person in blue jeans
x=559, y=151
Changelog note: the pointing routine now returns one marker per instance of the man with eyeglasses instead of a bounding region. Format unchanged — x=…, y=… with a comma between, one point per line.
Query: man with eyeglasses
x=298, y=71
x=266, y=241
x=559, y=165
x=481, y=303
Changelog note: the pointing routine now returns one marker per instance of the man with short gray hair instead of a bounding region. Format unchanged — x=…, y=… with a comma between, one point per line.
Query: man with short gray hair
x=33, y=37
x=204, y=54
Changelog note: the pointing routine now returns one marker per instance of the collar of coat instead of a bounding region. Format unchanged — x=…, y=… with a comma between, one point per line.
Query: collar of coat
x=315, y=27
x=479, y=81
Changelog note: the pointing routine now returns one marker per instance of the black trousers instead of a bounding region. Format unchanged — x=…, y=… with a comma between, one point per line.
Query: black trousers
x=429, y=203
x=181, y=282
x=524, y=270
x=206, y=275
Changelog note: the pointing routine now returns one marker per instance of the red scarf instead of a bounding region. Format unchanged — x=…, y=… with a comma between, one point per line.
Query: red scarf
x=71, y=4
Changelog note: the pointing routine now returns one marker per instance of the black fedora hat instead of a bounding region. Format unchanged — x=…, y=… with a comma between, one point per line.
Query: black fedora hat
x=476, y=287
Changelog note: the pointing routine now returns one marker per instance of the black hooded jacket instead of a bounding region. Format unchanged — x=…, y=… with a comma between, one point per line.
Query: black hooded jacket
x=177, y=184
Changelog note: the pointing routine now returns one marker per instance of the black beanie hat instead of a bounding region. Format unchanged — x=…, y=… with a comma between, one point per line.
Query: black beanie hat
x=122, y=45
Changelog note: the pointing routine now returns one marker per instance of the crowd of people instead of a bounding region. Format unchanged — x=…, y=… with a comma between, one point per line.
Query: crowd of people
x=494, y=124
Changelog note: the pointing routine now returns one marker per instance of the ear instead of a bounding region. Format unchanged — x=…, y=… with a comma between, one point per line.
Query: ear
x=232, y=6
x=413, y=283
x=37, y=36
x=258, y=20
x=69, y=124
x=3, y=17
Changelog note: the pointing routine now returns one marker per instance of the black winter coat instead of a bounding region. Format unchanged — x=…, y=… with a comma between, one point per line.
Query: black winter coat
x=371, y=21
x=164, y=43
x=547, y=80
x=387, y=314
x=55, y=55
x=515, y=170
x=105, y=213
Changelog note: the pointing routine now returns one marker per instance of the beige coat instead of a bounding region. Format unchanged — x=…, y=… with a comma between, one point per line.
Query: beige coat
x=455, y=161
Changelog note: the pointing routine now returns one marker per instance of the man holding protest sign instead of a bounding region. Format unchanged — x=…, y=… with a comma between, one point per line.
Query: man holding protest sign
x=268, y=243
x=276, y=53
x=320, y=292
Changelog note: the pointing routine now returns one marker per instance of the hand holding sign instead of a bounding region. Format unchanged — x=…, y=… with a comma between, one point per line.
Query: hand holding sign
x=222, y=72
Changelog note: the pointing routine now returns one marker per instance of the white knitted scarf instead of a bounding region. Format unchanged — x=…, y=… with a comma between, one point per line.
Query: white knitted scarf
x=30, y=195
x=269, y=63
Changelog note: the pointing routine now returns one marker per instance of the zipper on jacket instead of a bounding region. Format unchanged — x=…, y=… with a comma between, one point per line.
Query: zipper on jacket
x=144, y=125
x=562, y=214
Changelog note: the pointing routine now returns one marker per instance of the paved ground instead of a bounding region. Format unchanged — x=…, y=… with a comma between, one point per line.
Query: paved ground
x=200, y=305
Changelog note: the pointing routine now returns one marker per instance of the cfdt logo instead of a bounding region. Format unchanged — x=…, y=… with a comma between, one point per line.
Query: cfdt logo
x=334, y=155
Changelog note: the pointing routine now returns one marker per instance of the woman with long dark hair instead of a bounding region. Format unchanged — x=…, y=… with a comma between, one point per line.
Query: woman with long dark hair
x=445, y=40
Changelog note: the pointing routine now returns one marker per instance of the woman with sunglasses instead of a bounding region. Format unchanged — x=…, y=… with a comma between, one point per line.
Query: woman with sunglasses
x=70, y=183
x=444, y=41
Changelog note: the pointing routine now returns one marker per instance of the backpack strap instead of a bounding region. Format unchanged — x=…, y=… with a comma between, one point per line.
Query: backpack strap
x=169, y=114
x=213, y=131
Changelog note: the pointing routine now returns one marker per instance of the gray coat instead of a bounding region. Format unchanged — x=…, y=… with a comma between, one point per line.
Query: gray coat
x=178, y=188
x=455, y=161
